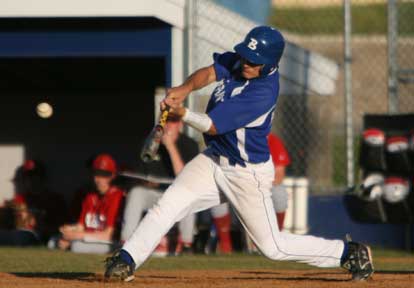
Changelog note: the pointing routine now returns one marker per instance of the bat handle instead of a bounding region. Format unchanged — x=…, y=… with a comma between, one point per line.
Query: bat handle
x=164, y=116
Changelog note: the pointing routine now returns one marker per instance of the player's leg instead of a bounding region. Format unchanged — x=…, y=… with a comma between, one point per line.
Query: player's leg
x=138, y=200
x=193, y=190
x=248, y=190
x=280, y=203
x=186, y=234
x=79, y=246
x=222, y=220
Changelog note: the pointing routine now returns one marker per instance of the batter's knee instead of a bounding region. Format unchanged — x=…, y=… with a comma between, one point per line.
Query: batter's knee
x=272, y=252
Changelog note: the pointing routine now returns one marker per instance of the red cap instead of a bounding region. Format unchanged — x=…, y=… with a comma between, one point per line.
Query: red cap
x=397, y=139
x=397, y=144
x=29, y=165
x=104, y=162
x=373, y=132
x=396, y=180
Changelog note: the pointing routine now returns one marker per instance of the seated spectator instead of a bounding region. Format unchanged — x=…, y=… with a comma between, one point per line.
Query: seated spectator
x=37, y=212
x=97, y=224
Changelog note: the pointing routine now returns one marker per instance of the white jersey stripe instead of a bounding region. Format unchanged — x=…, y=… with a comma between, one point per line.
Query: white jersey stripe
x=239, y=90
x=259, y=121
x=241, y=141
x=241, y=133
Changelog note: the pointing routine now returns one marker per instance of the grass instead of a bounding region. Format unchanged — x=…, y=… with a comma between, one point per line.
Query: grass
x=366, y=19
x=41, y=260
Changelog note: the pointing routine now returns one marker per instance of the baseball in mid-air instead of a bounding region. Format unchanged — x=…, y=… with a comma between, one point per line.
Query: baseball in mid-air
x=44, y=110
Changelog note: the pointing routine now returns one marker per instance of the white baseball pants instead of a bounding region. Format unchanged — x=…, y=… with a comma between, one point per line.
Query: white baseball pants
x=207, y=181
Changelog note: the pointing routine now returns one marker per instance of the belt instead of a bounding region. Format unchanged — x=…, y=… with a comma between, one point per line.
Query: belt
x=222, y=160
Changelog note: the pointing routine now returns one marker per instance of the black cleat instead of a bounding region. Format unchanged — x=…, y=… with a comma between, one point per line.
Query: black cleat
x=358, y=260
x=187, y=250
x=118, y=268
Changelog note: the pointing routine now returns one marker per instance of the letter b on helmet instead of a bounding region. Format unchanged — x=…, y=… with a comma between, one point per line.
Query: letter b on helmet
x=252, y=44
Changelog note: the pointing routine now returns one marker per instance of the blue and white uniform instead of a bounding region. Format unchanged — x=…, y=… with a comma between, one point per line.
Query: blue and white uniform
x=241, y=111
x=236, y=167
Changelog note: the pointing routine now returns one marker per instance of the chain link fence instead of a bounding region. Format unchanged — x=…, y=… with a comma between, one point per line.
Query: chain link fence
x=405, y=57
x=310, y=116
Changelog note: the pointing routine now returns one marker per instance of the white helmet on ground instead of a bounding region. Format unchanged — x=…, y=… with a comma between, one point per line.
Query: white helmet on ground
x=396, y=189
x=373, y=187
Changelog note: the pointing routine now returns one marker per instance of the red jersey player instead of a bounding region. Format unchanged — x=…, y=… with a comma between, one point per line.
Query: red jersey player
x=100, y=211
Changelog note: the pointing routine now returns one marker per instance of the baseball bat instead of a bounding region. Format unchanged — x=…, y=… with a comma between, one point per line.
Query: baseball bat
x=149, y=151
x=150, y=178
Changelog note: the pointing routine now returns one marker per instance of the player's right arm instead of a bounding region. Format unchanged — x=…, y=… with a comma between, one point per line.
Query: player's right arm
x=280, y=158
x=222, y=68
x=199, y=79
x=280, y=173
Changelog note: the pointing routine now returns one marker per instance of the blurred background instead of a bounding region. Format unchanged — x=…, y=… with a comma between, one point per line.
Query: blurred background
x=99, y=66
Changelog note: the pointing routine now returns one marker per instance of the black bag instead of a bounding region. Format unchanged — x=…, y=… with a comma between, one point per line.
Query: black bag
x=372, y=157
x=397, y=155
x=364, y=211
x=411, y=150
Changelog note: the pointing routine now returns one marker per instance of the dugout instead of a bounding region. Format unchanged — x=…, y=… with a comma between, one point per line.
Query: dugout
x=99, y=75
x=83, y=45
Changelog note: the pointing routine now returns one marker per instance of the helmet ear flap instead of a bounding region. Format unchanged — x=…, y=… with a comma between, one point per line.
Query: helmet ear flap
x=267, y=69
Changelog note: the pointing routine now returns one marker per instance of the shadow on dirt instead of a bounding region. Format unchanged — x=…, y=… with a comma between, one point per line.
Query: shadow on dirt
x=79, y=276
x=295, y=278
x=260, y=272
x=396, y=272
x=261, y=276
x=284, y=277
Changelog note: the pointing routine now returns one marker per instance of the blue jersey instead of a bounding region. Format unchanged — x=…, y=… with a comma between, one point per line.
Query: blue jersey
x=242, y=112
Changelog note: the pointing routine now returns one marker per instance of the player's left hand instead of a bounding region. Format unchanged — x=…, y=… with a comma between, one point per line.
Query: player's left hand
x=174, y=111
x=176, y=96
x=73, y=235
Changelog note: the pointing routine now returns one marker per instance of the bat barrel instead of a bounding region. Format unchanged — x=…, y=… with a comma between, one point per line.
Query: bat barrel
x=149, y=152
x=147, y=157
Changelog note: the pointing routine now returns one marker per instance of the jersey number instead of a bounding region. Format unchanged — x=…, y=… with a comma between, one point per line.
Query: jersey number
x=252, y=44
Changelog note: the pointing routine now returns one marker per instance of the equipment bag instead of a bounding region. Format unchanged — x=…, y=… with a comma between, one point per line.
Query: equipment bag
x=372, y=156
x=397, y=155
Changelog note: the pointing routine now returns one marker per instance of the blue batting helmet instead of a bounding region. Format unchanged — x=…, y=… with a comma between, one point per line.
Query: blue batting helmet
x=262, y=45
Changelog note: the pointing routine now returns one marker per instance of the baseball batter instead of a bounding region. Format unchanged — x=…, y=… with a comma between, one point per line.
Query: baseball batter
x=236, y=166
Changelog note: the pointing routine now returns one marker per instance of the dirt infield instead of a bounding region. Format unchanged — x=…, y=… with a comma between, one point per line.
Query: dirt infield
x=211, y=278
